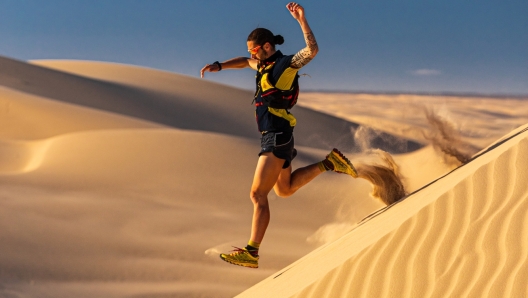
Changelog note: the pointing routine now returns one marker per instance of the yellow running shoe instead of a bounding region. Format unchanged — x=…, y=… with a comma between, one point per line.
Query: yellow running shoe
x=241, y=257
x=341, y=163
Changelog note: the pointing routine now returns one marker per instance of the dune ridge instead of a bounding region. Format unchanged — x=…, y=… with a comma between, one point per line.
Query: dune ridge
x=22, y=157
x=28, y=117
x=180, y=101
x=462, y=236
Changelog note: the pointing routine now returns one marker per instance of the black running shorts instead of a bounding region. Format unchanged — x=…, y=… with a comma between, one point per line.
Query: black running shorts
x=281, y=144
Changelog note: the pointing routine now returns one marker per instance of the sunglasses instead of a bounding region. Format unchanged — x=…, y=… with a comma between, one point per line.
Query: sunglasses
x=254, y=50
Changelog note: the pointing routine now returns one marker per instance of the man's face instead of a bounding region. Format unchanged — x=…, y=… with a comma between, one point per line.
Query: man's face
x=259, y=52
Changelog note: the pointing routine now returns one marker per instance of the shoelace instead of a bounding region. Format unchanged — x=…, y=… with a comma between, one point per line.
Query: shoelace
x=238, y=250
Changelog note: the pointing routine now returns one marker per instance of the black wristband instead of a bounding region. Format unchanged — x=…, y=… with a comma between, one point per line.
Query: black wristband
x=219, y=65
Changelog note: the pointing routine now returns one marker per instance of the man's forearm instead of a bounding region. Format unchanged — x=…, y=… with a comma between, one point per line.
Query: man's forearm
x=238, y=62
x=306, y=55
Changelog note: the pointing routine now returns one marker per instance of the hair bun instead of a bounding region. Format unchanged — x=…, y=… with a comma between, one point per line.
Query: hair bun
x=278, y=39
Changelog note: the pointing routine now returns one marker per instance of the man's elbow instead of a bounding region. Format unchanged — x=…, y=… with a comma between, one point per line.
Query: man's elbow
x=314, y=52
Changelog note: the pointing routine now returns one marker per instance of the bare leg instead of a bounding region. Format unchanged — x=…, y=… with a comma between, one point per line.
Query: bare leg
x=267, y=172
x=288, y=182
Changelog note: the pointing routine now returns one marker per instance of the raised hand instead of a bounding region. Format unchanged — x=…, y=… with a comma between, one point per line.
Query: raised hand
x=296, y=10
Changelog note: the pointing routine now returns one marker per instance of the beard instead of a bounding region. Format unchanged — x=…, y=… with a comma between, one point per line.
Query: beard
x=265, y=55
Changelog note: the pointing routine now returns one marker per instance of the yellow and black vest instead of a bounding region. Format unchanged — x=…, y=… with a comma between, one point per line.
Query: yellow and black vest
x=277, y=92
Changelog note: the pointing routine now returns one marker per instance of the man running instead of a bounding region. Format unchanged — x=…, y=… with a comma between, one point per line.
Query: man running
x=277, y=91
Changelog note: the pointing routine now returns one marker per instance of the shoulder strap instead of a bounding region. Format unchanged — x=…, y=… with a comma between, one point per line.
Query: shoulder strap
x=262, y=68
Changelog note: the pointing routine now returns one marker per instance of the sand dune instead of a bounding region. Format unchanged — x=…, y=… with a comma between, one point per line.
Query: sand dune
x=480, y=120
x=186, y=100
x=29, y=117
x=115, y=179
x=463, y=235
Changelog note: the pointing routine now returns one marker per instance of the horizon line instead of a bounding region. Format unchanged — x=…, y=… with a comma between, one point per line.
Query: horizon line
x=436, y=93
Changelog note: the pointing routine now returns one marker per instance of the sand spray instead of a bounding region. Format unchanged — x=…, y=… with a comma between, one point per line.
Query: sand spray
x=381, y=171
x=385, y=177
x=447, y=139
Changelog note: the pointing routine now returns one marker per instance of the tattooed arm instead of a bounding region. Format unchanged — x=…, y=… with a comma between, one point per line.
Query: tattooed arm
x=305, y=55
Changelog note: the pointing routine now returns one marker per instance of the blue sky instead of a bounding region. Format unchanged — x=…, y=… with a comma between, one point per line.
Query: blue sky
x=379, y=46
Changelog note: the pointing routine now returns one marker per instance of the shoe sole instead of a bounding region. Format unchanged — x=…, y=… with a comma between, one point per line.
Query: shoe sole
x=247, y=265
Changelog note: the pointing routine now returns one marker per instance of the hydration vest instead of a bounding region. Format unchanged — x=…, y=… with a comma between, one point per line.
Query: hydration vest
x=281, y=95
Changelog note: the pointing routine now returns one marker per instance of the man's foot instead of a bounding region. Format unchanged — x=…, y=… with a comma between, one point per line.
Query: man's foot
x=341, y=164
x=241, y=257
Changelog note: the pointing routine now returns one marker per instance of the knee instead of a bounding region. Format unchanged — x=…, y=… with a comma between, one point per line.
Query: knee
x=284, y=192
x=258, y=198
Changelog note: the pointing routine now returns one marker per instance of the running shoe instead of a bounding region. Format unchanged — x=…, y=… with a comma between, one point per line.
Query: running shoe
x=241, y=257
x=341, y=163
